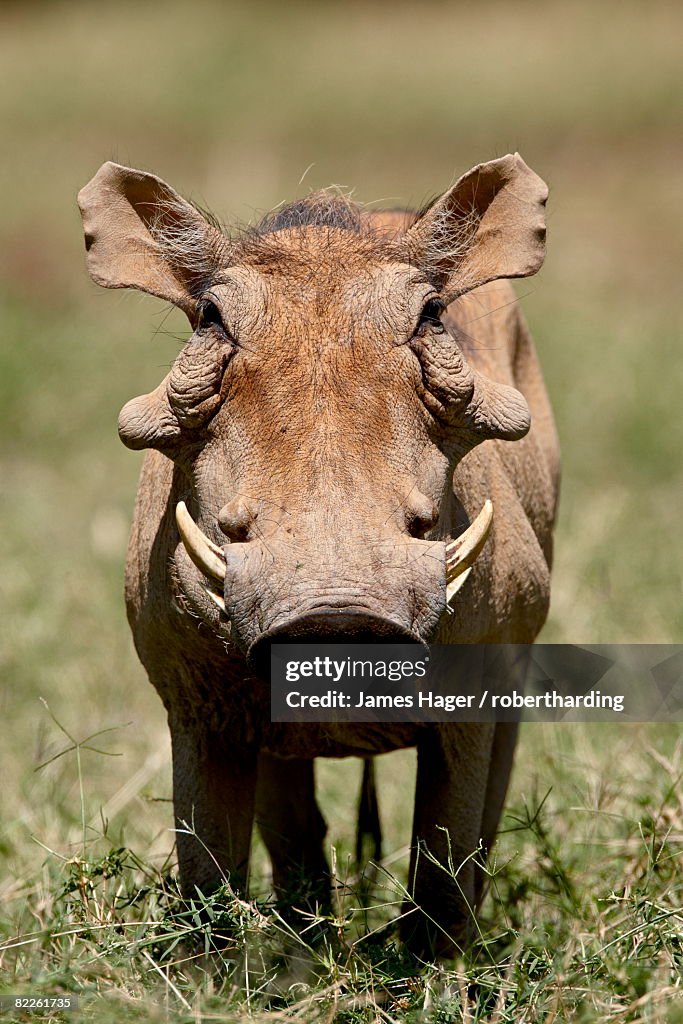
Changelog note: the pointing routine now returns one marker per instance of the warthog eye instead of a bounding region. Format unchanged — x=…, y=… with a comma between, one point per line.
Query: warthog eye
x=431, y=315
x=210, y=315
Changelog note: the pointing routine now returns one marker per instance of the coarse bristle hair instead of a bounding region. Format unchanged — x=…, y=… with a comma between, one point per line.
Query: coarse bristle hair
x=198, y=248
x=327, y=208
x=192, y=242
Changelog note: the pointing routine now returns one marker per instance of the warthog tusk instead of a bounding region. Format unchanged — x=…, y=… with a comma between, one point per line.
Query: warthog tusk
x=453, y=587
x=462, y=553
x=206, y=555
x=217, y=599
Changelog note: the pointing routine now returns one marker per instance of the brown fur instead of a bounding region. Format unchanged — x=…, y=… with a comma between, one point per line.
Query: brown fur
x=335, y=439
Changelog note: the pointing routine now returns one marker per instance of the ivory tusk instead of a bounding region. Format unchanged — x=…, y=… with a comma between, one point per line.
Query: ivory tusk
x=462, y=553
x=206, y=555
x=217, y=599
x=453, y=588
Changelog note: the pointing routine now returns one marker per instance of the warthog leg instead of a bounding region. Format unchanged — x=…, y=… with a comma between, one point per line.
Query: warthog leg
x=214, y=788
x=293, y=830
x=448, y=828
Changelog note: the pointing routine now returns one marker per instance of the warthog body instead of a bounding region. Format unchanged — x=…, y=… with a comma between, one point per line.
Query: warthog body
x=323, y=427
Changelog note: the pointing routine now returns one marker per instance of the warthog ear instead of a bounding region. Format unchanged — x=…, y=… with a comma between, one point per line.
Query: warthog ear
x=490, y=224
x=139, y=233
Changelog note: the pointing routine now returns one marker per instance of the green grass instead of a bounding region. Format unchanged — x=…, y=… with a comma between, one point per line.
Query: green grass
x=232, y=103
x=583, y=920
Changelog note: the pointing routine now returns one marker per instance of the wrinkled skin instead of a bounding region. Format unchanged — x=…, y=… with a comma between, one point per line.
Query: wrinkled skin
x=355, y=387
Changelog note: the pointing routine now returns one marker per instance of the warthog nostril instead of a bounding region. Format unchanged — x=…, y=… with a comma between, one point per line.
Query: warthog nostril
x=237, y=517
x=324, y=627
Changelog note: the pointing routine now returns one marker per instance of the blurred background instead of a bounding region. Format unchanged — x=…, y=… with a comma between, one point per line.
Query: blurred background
x=241, y=106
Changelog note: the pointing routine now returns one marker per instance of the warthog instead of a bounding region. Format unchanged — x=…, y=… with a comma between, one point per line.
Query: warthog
x=338, y=419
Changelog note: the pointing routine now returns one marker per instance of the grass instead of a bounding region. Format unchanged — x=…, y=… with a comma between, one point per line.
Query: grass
x=583, y=920
x=232, y=103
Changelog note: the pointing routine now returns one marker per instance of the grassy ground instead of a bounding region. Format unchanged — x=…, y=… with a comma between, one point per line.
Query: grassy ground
x=232, y=103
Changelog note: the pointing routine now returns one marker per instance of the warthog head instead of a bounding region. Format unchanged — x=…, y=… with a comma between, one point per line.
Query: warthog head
x=317, y=412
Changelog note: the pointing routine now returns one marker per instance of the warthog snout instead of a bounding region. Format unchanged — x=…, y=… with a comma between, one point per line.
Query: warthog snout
x=390, y=588
x=285, y=588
